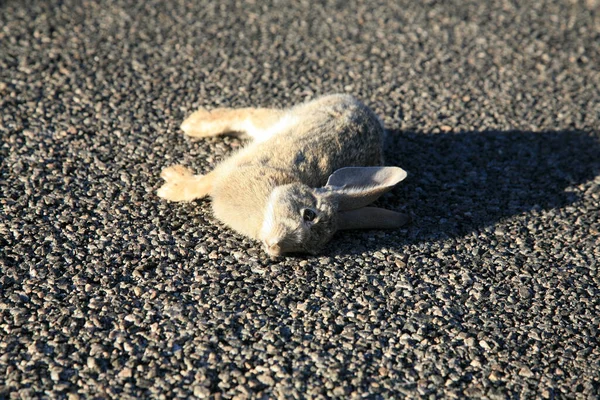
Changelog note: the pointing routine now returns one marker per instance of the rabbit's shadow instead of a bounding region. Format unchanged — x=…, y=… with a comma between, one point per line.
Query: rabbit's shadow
x=459, y=183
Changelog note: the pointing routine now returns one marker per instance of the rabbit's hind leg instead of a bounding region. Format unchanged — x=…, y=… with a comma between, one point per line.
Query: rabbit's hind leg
x=255, y=122
x=181, y=185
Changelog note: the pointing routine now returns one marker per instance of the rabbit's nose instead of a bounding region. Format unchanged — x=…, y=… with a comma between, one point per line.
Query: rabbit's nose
x=273, y=247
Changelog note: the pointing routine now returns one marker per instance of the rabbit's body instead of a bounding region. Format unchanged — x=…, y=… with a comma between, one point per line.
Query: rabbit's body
x=263, y=189
x=325, y=135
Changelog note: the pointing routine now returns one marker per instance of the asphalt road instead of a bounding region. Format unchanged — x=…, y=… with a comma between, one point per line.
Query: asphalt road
x=493, y=291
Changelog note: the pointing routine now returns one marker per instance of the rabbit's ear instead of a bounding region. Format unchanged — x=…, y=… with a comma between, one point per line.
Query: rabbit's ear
x=371, y=218
x=356, y=187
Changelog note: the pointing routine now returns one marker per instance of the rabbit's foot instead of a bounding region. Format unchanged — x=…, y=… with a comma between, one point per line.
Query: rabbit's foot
x=181, y=185
x=204, y=123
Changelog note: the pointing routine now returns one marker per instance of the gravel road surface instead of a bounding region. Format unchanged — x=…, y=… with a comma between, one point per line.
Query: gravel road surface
x=493, y=291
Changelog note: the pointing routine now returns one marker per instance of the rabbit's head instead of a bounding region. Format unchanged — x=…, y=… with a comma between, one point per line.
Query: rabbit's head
x=301, y=219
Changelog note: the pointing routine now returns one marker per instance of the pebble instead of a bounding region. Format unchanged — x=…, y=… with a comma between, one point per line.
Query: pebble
x=266, y=379
x=526, y=372
x=126, y=373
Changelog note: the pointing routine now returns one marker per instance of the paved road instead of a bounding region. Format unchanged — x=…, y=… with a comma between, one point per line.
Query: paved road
x=493, y=291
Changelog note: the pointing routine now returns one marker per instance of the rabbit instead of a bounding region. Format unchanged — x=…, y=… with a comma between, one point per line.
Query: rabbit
x=307, y=172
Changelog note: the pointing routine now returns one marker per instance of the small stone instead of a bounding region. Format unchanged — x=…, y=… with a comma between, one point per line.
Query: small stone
x=445, y=128
x=55, y=374
x=526, y=372
x=476, y=363
x=524, y=292
x=126, y=373
x=201, y=392
x=495, y=376
x=339, y=391
x=265, y=379
x=325, y=261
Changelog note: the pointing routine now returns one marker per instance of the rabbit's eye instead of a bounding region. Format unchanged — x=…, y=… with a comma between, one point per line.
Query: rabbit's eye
x=308, y=215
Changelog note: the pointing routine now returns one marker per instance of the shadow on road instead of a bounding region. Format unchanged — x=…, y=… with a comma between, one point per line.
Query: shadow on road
x=462, y=182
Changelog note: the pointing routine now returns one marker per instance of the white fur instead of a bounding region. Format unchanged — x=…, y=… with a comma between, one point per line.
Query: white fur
x=273, y=230
x=269, y=217
x=264, y=134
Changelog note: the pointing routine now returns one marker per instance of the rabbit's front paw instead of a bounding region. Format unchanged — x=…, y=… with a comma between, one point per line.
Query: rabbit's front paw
x=182, y=185
x=176, y=179
x=174, y=192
